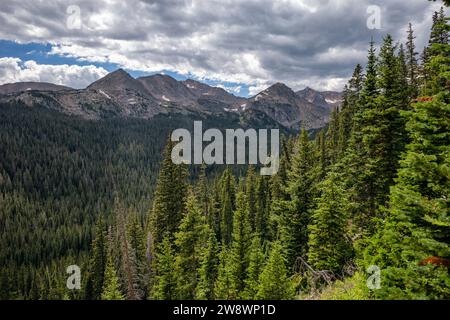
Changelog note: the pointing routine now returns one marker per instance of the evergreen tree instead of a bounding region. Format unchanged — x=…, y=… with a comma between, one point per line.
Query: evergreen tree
x=250, y=192
x=412, y=63
x=329, y=248
x=165, y=277
x=333, y=137
x=111, y=286
x=224, y=288
x=128, y=256
x=436, y=54
x=227, y=200
x=241, y=240
x=136, y=241
x=377, y=137
x=350, y=105
x=208, y=268
x=169, y=198
x=201, y=191
x=256, y=263
x=215, y=210
x=384, y=132
x=321, y=156
x=190, y=241
x=353, y=165
x=278, y=194
x=417, y=224
x=94, y=286
x=262, y=207
x=274, y=283
x=295, y=218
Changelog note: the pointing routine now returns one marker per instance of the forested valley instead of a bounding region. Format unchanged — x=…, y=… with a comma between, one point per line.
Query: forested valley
x=371, y=189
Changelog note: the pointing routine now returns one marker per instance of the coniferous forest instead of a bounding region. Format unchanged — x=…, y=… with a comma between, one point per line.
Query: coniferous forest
x=357, y=210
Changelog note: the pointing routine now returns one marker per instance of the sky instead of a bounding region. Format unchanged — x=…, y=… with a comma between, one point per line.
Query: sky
x=243, y=46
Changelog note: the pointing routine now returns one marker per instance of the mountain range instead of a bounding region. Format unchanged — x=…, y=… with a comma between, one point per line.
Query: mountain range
x=118, y=94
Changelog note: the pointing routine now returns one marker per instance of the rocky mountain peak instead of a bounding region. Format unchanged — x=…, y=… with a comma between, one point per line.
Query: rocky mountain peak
x=116, y=80
x=119, y=94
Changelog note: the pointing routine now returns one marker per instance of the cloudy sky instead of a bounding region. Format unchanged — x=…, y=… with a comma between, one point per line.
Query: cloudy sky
x=240, y=45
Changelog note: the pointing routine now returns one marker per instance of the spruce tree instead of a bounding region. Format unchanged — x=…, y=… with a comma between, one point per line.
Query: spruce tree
x=227, y=200
x=412, y=63
x=224, y=288
x=190, y=242
x=97, y=264
x=350, y=105
x=321, y=157
x=215, y=210
x=262, y=207
x=329, y=247
x=201, y=191
x=436, y=55
x=250, y=192
x=256, y=263
x=240, y=244
x=377, y=138
x=417, y=223
x=165, y=283
x=169, y=198
x=274, y=283
x=353, y=165
x=209, y=262
x=295, y=217
x=111, y=285
x=333, y=137
x=136, y=241
x=278, y=194
x=128, y=257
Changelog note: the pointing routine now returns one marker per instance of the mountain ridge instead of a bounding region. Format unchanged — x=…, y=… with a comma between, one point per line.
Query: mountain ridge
x=118, y=94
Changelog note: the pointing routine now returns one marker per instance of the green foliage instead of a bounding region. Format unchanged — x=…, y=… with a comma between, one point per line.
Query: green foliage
x=274, y=283
x=169, y=198
x=352, y=288
x=227, y=202
x=256, y=263
x=329, y=247
x=190, y=242
x=417, y=223
x=111, y=286
x=224, y=288
x=97, y=264
x=165, y=286
x=371, y=189
x=295, y=215
x=209, y=262
x=241, y=240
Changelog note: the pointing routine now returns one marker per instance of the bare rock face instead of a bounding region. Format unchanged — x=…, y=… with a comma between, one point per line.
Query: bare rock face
x=283, y=105
x=120, y=95
x=167, y=89
x=330, y=99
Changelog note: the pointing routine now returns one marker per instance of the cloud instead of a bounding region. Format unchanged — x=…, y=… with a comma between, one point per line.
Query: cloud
x=15, y=70
x=231, y=89
x=249, y=42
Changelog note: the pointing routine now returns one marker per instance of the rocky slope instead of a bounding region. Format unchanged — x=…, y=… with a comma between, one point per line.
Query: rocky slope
x=28, y=86
x=120, y=95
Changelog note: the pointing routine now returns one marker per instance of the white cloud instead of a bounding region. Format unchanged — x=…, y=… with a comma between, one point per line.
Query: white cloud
x=253, y=42
x=257, y=88
x=231, y=89
x=15, y=70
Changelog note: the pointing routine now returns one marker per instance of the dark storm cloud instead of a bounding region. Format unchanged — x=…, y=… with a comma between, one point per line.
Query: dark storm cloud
x=307, y=42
